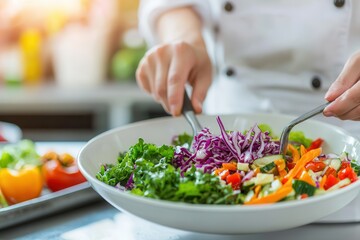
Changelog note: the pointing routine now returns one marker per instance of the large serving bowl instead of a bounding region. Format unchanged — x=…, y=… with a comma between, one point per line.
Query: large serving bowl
x=220, y=219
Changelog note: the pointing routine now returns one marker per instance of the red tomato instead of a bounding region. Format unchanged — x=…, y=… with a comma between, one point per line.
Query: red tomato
x=331, y=181
x=234, y=179
x=331, y=171
x=347, y=172
x=58, y=177
x=315, y=144
x=315, y=166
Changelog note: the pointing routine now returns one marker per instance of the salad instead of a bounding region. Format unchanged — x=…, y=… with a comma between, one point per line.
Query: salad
x=230, y=168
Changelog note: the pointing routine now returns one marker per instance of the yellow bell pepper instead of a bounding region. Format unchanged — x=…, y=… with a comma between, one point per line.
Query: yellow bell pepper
x=21, y=185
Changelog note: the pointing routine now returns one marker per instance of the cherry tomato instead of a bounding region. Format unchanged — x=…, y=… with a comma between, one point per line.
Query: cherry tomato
x=21, y=185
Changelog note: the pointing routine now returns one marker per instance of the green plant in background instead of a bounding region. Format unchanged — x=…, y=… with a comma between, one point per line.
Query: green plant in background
x=125, y=62
x=127, y=58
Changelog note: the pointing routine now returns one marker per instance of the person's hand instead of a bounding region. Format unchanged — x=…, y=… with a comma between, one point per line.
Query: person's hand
x=344, y=93
x=165, y=69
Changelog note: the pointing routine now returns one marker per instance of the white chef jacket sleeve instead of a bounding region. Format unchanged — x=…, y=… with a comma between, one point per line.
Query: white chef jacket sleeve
x=150, y=10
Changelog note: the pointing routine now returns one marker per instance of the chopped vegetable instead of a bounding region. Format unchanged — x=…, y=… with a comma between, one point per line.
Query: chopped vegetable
x=61, y=171
x=21, y=185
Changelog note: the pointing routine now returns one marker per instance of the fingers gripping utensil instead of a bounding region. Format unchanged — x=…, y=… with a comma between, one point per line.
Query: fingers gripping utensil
x=189, y=114
x=285, y=133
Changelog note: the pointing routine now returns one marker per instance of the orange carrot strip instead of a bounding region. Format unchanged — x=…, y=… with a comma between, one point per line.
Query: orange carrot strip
x=302, y=150
x=322, y=182
x=256, y=171
x=257, y=190
x=309, y=156
x=271, y=198
x=305, y=176
x=294, y=152
x=230, y=166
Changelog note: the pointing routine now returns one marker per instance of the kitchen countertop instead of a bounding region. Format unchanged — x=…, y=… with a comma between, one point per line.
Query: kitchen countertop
x=102, y=221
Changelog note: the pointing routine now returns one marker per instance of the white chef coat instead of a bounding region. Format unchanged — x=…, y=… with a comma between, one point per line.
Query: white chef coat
x=270, y=55
x=273, y=55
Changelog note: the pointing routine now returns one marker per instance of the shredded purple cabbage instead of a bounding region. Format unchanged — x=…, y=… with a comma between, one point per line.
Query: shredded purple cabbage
x=209, y=151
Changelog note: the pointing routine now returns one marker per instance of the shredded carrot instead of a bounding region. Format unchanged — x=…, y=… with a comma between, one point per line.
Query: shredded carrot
x=305, y=176
x=230, y=166
x=322, y=182
x=309, y=156
x=256, y=191
x=271, y=198
x=218, y=171
x=294, y=152
x=280, y=165
x=302, y=150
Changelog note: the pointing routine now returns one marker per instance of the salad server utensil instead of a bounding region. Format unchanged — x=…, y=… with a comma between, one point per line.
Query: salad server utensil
x=189, y=114
x=286, y=131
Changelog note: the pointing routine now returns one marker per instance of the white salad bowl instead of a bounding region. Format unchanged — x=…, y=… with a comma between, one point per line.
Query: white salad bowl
x=218, y=219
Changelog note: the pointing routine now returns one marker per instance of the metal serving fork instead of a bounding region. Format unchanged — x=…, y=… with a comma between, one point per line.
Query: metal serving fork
x=189, y=114
x=285, y=133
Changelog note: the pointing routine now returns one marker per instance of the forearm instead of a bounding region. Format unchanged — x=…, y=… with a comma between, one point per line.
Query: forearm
x=181, y=24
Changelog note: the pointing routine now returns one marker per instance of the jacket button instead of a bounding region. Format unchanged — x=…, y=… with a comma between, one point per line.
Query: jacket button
x=316, y=82
x=228, y=7
x=339, y=3
x=230, y=72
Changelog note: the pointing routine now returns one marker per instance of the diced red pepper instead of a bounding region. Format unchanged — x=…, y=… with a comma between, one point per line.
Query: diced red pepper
x=331, y=171
x=344, y=165
x=331, y=181
x=347, y=172
x=315, y=166
x=304, y=195
x=315, y=144
x=290, y=165
x=234, y=179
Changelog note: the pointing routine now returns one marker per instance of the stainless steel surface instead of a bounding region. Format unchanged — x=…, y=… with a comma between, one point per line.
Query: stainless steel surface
x=189, y=114
x=285, y=133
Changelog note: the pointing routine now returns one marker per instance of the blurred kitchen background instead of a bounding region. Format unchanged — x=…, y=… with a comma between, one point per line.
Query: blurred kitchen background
x=67, y=67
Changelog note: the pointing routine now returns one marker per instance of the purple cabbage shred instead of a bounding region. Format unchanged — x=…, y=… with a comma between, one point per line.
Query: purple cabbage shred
x=209, y=151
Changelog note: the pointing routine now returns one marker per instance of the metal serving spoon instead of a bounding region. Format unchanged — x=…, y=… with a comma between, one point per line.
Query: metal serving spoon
x=285, y=133
x=189, y=114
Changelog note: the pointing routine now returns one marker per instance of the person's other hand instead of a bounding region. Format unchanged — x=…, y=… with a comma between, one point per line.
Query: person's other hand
x=344, y=93
x=165, y=69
